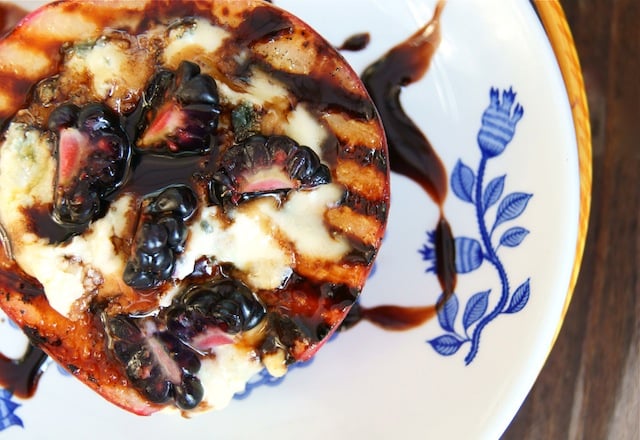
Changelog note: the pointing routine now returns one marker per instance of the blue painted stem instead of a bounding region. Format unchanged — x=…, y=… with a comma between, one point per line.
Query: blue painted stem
x=491, y=255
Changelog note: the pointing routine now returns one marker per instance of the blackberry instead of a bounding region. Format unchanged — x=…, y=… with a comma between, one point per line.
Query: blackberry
x=157, y=363
x=207, y=315
x=228, y=303
x=92, y=155
x=262, y=165
x=161, y=234
x=178, y=113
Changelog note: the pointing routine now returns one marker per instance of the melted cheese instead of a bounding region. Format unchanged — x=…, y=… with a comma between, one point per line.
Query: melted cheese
x=301, y=220
x=226, y=374
x=72, y=271
x=117, y=70
x=263, y=237
x=262, y=90
x=248, y=242
x=198, y=37
x=27, y=170
x=106, y=64
x=305, y=129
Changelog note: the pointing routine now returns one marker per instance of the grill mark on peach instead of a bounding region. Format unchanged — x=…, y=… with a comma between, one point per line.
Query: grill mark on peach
x=365, y=156
x=38, y=339
x=365, y=206
x=14, y=93
x=325, y=95
x=14, y=281
x=262, y=23
x=361, y=253
x=224, y=15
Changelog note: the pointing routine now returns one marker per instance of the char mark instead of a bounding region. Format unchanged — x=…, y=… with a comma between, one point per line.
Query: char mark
x=324, y=94
x=365, y=156
x=365, y=206
x=262, y=23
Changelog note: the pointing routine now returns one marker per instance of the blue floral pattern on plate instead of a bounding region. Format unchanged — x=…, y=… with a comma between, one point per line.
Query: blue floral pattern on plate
x=8, y=405
x=7, y=410
x=497, y=130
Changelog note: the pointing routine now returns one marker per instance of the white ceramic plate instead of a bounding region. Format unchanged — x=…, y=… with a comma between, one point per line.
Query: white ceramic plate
x=433, y=381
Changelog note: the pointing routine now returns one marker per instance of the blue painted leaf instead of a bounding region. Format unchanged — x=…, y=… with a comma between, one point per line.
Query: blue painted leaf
x=475, y=309
x=11, y=420
x=447, y=313
x=511, y=207
x=468, y=254
x=462, y=180
x=520, y=298
x=513, y=237
x=446, y=345
x=493, y=192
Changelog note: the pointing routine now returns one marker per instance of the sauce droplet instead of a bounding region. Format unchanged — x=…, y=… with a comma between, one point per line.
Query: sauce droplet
x=356, y=42
x=21, y=375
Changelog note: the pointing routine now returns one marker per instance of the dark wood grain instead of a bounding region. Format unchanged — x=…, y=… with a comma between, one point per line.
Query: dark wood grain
x=590, y=385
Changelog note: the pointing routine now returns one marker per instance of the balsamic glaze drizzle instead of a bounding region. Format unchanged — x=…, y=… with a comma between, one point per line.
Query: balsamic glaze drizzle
x=410, y=152
x=412, y=155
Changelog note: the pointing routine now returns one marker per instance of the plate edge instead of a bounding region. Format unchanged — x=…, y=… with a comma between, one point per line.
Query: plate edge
x=554, y=21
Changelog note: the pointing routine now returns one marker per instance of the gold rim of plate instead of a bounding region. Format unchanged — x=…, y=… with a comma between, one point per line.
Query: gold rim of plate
x=555, y=23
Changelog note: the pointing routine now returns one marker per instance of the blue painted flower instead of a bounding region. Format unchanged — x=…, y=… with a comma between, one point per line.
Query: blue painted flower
x=7, y=410
x=498, y=128
x=468, y=253
x=499, y=122
x=428, y=252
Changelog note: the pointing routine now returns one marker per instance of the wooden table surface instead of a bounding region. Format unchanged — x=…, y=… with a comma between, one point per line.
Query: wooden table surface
x=590, y=385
